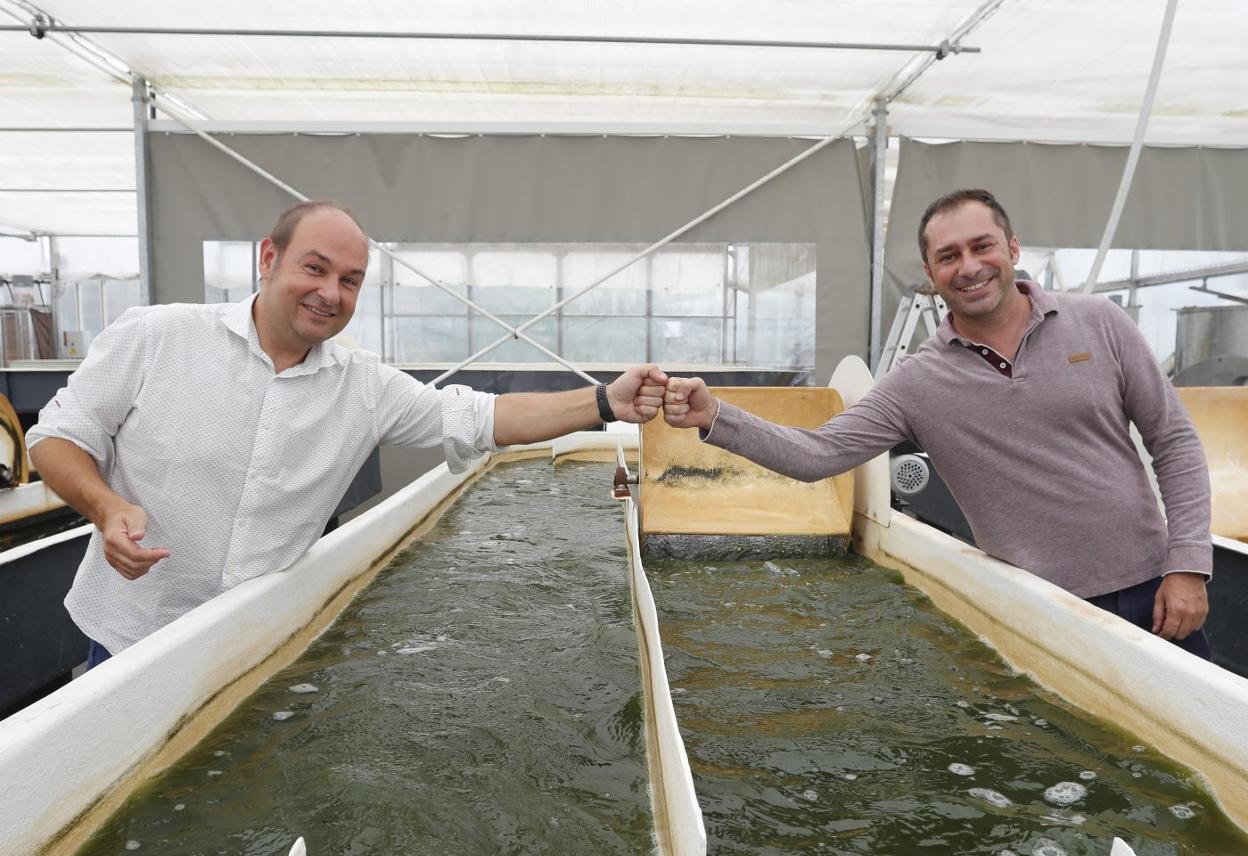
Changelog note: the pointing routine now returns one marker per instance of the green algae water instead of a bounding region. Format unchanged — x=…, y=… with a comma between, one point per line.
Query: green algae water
x=481, y=697
x=831, y=709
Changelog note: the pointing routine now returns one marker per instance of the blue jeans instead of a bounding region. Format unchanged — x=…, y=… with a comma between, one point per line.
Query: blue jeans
x=96, y=654
x=1135, y=604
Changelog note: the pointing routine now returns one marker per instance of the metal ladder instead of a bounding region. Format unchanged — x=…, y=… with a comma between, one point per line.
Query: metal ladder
x=924, y=303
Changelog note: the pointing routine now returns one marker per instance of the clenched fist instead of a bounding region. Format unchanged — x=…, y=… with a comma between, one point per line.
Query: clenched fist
x=688, y=403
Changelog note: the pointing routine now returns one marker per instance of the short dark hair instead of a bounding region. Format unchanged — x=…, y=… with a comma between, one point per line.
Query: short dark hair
x=284, y=227
x=957, y=199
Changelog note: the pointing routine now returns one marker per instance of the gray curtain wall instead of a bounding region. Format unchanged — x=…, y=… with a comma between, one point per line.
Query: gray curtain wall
x=518, y=189
x=1060, y=196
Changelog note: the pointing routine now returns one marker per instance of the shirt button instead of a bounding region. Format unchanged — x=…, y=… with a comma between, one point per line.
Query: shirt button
x=984, y=351
x=1003, y=365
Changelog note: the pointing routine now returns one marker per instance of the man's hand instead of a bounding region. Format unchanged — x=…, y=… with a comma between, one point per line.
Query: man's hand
x=1181, y=605
x=123, y=528
x=689, y=404
x=637, y=395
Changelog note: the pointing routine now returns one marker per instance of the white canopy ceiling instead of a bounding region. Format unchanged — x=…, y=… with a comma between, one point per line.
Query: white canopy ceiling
x=1048, y=70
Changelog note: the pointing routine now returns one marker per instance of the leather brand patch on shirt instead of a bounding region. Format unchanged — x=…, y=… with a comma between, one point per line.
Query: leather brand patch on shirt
x=1079, y=358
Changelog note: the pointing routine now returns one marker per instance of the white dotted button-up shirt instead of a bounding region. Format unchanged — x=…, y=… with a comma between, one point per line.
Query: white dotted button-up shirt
x=238, y=468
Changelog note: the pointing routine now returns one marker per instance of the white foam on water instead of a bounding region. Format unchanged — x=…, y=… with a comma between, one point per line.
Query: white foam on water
x=214, y=772
x=862, y=657
x=1000, y=717
x=961, y=769
x=304, y=688
x=179, y=807
x=996, y=798
x=1047, y=847
x=810, y=795
x=283, y=715
x=1182, y=812
x=1065, y=793
x=1087, y=775
x=133, y=845
x=419, y=649
x=849, y=777
x=963, y=704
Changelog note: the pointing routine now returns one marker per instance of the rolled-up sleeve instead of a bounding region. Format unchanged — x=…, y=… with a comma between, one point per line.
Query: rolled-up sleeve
x=415, y=414
x=90, y=408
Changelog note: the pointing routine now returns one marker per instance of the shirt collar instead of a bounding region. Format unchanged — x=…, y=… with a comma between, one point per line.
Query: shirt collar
x=239, y=321
x=1042, y=303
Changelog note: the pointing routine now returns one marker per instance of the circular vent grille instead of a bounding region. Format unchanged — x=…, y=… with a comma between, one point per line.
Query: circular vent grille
x=910, y=474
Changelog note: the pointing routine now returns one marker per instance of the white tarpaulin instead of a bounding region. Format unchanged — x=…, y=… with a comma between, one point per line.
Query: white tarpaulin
x=1048, y=70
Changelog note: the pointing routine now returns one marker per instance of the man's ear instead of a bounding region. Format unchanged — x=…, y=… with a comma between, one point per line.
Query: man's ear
x=268, y=258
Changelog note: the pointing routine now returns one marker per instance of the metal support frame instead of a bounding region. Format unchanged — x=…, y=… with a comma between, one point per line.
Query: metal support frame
x=141, y=98
x=43, y=26
x=1137, y=143
x=1207, y=272
x=39, y=28
x=879, y=150
x=1204, y=288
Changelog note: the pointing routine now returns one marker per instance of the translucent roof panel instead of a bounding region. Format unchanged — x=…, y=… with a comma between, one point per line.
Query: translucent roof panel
x=1058, y=70
x=1048, y=70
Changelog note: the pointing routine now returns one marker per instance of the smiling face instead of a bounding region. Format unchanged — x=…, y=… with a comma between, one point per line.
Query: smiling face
x=970, y=261
x=310, y=288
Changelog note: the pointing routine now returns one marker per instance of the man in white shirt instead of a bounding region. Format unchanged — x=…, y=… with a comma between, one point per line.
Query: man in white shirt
x=224, y=435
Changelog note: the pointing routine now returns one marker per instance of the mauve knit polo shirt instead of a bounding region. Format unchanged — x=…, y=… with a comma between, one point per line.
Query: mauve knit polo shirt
x=1040, y=461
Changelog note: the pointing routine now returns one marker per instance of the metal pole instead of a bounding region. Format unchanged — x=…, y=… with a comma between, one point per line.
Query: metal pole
x=143, y=188
x=879, y=149
x=1137, y=143
x=387, y=281
x=40, y=29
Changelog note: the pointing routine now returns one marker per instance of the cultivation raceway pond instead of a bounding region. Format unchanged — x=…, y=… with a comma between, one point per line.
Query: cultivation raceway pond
x=482, y=697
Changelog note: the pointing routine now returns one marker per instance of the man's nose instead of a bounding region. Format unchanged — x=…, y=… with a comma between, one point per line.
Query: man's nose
x=329, y=292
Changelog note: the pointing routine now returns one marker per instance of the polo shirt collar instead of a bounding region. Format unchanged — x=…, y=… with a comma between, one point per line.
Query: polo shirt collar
x=1042, y=303
x=239, y=321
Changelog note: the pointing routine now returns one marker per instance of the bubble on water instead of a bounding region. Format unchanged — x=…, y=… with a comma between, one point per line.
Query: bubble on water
x=810, y=796
x=1137, y=775
x=419, y=649
x=862, y=657
x=133, y=845
x=996, y=798
x=1137, y=748
x=214, y=772
x=1182, y=812
x=283, y=715
x=963, y=704
x=1041, y=723
x=1087, y=775
x=1065, y=793
x=304, y=688
x=179, y=807
x=961, y=769
x=219, y=753
x=849, y=777
x=824, y=652
x=1047, y=847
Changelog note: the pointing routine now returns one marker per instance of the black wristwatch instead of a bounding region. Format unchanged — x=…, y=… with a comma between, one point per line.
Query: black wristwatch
x=604, y=406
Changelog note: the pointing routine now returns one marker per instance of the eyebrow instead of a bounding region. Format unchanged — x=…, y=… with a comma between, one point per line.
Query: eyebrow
x=326, y=259
x=975, y=240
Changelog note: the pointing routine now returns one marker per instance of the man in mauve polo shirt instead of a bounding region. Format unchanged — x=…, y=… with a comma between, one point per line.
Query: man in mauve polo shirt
x=1022, y=400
